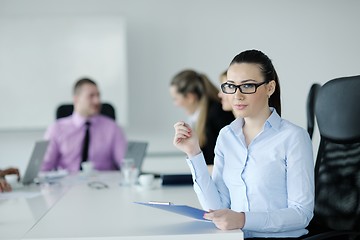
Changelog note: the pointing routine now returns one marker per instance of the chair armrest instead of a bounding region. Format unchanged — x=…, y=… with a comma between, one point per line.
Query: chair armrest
x=334, y=235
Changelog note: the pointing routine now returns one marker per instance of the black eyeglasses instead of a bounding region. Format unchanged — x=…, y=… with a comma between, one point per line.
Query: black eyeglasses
x=97, y=185
x=246, y=88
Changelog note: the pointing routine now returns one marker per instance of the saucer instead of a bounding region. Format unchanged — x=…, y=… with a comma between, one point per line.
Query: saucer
x=157, y=183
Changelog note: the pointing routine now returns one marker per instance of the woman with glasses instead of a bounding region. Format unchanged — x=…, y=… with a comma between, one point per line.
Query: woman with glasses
x=195, y=93
x=262, y=181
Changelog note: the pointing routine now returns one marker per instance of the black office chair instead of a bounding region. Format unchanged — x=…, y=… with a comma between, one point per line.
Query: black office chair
x=337, y=168
x=310, y=108
x=65, y=110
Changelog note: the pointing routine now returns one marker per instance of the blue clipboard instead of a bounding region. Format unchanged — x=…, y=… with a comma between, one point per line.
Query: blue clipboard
x=184, y=210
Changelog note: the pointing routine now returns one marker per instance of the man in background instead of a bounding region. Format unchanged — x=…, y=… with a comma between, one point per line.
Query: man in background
x=85, y=136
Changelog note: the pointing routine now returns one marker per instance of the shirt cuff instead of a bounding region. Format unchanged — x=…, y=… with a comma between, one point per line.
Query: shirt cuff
x=197, y=165
x=254, y=221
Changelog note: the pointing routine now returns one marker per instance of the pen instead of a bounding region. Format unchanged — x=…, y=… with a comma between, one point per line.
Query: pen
x=160, y=203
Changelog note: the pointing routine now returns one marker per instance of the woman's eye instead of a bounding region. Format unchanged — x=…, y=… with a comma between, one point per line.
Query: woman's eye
x=250, y=85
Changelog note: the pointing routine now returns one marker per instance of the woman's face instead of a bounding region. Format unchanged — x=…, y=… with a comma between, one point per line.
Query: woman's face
x=226, y=105
x=249, y=105
x=187, y=102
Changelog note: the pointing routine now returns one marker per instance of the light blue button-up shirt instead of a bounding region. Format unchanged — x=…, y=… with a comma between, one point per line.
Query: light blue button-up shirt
x=271, y=180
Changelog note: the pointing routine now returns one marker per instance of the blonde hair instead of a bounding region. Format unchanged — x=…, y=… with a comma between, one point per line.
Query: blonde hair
x=189, y=81
x=223, y=75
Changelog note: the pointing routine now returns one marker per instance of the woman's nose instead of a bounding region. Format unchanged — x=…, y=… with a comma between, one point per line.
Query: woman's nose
x=238, y=95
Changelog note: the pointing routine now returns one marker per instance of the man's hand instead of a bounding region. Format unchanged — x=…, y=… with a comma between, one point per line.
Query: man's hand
x=9, y=171
x=4, y=186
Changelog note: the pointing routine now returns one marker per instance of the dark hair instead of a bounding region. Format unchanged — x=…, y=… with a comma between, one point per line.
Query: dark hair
x=82, y=82
x=267, y=70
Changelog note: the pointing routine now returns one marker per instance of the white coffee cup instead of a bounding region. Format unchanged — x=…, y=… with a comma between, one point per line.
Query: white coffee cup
x=87, y=167
x=12, y=179
x=146, y=180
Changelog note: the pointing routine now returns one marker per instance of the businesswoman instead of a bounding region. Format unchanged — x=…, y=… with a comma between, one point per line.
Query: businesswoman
x=195, y=93
x=262, y=181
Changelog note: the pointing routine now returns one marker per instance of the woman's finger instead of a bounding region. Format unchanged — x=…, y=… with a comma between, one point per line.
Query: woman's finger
x=179, y=137
x=209, y=215
x=182, y=135
x=182, y=125
x=177, y=124
x=182, y=131
x=183, y=128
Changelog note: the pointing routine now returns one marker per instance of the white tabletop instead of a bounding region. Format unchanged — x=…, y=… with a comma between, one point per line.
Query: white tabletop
x=109, y=213
x=25, y=207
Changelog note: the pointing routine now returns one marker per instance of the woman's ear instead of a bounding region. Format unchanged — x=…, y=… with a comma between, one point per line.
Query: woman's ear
x=75, y=99
x=271, y=88
x=190, y=97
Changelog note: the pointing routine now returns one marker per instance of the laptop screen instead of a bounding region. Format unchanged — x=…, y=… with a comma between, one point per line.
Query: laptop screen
x=136, y=151
x=36, y=159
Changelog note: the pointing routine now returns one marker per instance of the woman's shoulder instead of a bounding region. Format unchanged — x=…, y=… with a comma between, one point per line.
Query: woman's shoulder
x=283, y=125
x=230, y=129
x=291, y=128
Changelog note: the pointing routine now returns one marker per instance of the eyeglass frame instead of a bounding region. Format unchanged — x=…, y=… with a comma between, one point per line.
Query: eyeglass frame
x=97, y=185
x=239, y=87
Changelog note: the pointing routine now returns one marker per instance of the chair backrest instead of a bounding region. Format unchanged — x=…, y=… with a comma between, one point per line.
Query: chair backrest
x=337, y=168
x=310, y=108
x=65, y=110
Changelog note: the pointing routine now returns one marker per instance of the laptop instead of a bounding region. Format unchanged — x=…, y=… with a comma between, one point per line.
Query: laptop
x=136, y=151
x=36, y=159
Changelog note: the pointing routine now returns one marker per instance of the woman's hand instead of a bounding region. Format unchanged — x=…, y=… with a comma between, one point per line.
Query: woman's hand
x=226, y=219
x=185, y=139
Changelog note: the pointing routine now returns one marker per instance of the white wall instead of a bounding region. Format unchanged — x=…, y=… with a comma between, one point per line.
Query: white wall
x=309, y=41
x=42, y=55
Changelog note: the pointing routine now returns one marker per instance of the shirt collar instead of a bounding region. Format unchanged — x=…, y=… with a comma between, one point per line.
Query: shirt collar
x=273, y=121
x=80, y=120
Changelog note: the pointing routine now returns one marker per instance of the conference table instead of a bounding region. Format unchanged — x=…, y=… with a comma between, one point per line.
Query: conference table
x=98, y=206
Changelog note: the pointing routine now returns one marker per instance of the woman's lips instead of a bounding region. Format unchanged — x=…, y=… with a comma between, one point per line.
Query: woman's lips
x=240, y=106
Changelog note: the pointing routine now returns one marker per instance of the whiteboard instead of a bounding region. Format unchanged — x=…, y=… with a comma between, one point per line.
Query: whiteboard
x=41, y=57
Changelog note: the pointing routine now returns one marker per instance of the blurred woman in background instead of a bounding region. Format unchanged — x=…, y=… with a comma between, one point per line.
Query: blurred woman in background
x=226, y=104
x=199, y=98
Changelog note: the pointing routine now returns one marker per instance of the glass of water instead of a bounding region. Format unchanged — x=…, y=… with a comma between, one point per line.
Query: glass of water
x=129, y=172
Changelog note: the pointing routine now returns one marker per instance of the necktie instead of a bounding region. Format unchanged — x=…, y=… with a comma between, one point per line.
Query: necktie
x=85, y=150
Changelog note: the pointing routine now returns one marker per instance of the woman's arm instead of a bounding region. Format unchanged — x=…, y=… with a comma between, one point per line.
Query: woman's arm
x=212, y=192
